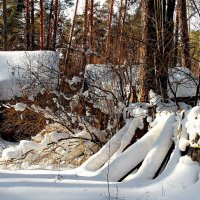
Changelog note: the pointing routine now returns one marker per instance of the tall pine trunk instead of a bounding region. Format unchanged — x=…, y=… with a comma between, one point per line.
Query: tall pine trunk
x=92, y=46
x=5, y=26
x=49, y=31
x=55, y=24
x=85, y=33
x=158, y=47
x=109, y=30
x=41, y=25
x=32, y=25
x=28, y=43
x=176, y=37
x=147, y=70
x=71, y=35
x=120, y=32
x=168, y=47
x=185, y=53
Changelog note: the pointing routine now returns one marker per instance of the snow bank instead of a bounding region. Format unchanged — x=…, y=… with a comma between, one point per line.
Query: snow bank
x=114, y=147
x=190, y=135
x=21, y=70
x=105, y=153
x=153, y=160
x=26, y=146
x=131, y=157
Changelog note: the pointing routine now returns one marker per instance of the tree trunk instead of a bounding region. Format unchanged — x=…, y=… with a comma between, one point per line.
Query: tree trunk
x=32, y=25
x=92, y=47
x=41, y=25
x=168, y=46
x=163, y=26
x=28, y=25
x=71, y=35
x=49, y=26
x=109, y=30
x=5, y=26
x=55, y=24
x=147, y=71
x=85, y=31
x=176, y=38
x=120, y=32
x=186, y=60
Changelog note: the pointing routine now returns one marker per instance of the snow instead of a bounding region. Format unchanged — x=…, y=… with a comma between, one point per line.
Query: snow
x=181, y=79
x=190, y=129
x=20, y=106
x=181, y=183
x=74, y=80
x=162, y=145
x=182, y=82
x=20, y=71
x=26, y=146
x=97, y=177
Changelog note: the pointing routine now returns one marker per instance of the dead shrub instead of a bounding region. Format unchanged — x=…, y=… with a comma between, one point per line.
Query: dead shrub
x=16, y=126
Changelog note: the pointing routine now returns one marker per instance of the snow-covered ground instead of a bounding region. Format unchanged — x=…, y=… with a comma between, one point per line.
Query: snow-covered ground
x=98, y=177
x=182, y=182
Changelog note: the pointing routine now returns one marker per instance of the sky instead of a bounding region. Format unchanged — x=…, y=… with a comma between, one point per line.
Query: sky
x=81, y=5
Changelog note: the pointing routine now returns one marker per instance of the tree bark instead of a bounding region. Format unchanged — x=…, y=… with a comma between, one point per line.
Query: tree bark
x=71, y=35
x=159, y=44
x=186, y=60
x=5, y=26
x=147, y=70
x=168, y=46
x=109, y=30
x=92, y=46
x=32, y=25
x=85, y=32
x=55, y=24
x=28, y=43
x=120, y=32
x=176, y=37
x=50, y=25
x=41, y=25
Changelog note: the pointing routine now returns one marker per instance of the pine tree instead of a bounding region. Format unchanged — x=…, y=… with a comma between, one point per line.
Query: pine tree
x=32, y=25
x=55, y=24
x=109, y=30
x=71, y=35
x=41, y=25
x=28, y=24
x=92, y=47
x=85, y=33
x=185, y=53
x=147, y=70
x=49, y=31
x=5, y=26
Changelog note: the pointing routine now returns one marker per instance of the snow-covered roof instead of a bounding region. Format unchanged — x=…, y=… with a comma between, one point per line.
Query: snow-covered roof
x=182, y=81
x=19, y=68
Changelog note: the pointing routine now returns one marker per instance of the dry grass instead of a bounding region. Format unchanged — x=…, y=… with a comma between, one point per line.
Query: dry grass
x=16, y=126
